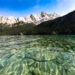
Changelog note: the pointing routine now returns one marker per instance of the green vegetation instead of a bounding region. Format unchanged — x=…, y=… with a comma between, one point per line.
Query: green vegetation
x=61, y=25
x=17, y=29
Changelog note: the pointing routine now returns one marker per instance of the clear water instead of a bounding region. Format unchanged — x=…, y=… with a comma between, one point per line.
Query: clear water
x=37, y=55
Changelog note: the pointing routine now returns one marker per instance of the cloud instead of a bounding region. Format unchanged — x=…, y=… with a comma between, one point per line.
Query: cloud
x=60, y=7
x=65, y=6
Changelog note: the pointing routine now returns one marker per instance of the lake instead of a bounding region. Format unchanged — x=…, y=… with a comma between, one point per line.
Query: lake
x=37, y=55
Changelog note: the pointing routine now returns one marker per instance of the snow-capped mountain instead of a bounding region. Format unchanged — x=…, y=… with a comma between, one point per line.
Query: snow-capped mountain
x=33, y=18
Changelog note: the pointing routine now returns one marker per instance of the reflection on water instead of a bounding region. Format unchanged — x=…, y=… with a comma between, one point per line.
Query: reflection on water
x=37, y=55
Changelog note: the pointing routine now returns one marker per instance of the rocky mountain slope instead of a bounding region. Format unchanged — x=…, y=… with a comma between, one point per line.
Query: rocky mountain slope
x=33, y=18
x=61, y=25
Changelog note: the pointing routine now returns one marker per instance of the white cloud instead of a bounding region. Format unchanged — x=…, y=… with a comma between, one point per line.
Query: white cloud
x=62, y=7
x=65, y=6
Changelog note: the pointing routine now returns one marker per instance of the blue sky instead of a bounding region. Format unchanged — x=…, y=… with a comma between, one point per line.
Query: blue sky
x=20, y=8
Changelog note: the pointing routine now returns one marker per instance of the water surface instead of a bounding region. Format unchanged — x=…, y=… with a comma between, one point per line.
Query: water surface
x=37, y=55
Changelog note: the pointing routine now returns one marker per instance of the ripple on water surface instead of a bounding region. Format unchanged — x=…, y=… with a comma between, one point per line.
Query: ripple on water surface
x=37, y=55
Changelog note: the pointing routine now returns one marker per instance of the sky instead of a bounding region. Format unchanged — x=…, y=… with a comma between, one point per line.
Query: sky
x=21, y=8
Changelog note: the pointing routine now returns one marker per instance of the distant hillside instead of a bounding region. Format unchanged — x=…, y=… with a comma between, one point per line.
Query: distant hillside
x=61, y=25
x=17, y=29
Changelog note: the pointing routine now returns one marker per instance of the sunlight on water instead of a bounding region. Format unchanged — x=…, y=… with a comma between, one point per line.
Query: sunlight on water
x=37, y=55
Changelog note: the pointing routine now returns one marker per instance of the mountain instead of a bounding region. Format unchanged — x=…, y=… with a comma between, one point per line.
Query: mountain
x=50, y=25
x=33, y=18
x=60, y=25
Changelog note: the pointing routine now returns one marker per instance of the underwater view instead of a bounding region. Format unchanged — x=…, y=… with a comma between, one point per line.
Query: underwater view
x=37, y=55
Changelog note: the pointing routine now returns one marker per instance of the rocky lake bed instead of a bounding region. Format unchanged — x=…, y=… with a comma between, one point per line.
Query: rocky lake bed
x=37, y=55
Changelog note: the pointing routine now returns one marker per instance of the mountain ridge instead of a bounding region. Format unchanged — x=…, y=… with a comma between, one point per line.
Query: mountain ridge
x=61, y=25
x=33, y=18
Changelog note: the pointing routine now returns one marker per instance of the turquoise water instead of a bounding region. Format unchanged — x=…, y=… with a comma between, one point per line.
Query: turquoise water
x=37, y=55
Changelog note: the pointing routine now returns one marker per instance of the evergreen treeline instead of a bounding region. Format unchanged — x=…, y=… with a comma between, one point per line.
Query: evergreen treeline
x=61, y=25
x=17, y=29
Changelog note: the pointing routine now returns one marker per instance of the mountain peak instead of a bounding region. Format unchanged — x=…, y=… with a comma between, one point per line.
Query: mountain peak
x=33, y=18
x=43, y=13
